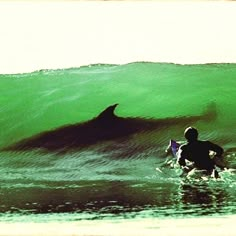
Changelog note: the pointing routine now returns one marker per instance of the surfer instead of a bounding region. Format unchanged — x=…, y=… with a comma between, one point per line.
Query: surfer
x=198, y=152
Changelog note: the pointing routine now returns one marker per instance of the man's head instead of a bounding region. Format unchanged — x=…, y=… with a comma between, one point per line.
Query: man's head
x=191, y=134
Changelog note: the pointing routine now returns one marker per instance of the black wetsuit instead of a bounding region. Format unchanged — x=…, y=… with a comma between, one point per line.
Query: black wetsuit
x=198, y=152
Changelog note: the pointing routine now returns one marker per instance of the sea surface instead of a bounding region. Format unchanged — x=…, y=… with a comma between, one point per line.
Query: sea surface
x=129, y=185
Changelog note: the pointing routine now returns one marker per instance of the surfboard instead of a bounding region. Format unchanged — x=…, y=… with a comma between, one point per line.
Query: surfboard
x=173, y=147
x=171, y=150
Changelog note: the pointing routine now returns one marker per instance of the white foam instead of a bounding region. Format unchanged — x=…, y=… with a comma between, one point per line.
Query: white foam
x=217, y=226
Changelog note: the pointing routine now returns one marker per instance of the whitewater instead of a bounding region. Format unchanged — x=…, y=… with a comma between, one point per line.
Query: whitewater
x=115, y=183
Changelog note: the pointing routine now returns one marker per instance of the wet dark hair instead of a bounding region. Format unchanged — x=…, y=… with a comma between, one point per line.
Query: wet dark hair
x=191, y=134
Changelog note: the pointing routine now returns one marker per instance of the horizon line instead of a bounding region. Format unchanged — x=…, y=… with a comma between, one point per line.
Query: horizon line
x=114, y=64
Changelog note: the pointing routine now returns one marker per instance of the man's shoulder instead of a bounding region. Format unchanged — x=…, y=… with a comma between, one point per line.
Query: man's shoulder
x=183, y=146
x=205, y=142
x=198, y=142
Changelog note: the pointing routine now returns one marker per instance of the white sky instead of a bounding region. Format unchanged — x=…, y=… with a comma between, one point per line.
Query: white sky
x=51, y=35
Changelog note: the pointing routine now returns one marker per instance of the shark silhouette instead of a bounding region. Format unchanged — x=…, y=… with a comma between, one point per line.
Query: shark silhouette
x=107, y=126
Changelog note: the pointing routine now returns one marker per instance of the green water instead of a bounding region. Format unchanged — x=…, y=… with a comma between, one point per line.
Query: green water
x=42, y=100
x=96, y=185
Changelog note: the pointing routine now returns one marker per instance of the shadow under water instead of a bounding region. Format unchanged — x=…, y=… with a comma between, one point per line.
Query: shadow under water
x=126, y=199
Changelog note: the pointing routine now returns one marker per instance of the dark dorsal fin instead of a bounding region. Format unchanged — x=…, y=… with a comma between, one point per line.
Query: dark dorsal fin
x=108, y=112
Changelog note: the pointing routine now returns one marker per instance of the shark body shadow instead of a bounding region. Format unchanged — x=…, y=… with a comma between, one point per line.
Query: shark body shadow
x=105, y=127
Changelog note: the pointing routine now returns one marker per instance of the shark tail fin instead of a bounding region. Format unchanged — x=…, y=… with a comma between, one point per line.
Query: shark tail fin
x=210, y=113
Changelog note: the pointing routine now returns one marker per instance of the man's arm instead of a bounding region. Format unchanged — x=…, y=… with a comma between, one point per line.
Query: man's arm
x=181, y=156
x=216, y=148
x=218, y=156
